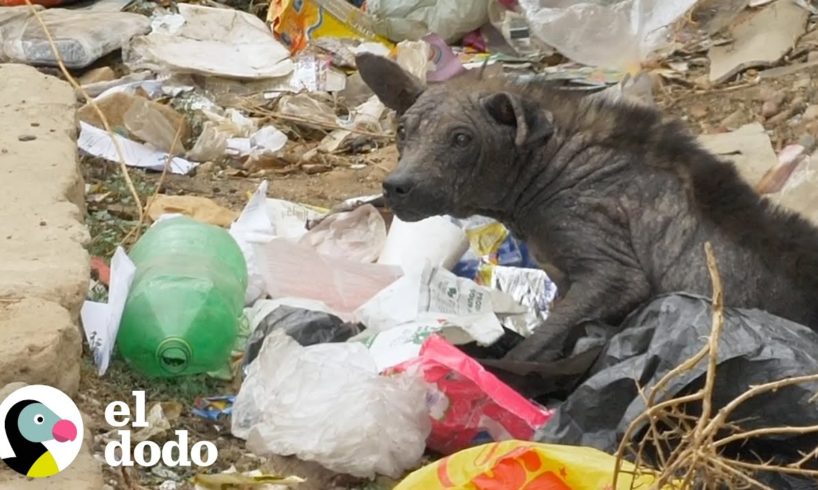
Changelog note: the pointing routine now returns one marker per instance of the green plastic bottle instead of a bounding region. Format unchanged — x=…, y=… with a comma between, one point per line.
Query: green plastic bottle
x=182, y=312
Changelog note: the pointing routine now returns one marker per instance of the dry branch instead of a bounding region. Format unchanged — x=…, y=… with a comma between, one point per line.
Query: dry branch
x=697, y=459
x=88, y=99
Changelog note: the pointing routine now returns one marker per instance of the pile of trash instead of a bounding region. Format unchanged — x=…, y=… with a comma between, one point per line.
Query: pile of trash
x=335, y=316
x=196, y=83
x=351, y=331
x=362, y=342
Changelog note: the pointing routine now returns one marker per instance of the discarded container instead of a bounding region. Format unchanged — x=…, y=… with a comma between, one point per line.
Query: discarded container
x=469, y=405
x=517, y=465
x=185, y=301
x=326, y=403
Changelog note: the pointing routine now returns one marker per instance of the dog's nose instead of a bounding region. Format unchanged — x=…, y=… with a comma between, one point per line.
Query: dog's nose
x=397, y=186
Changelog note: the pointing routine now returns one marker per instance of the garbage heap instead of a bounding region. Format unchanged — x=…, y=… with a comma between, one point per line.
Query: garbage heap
x=363, y=342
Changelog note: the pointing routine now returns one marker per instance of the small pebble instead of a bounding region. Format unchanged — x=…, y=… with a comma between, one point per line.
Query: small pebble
x=35, y=125
x=26, y=137
x=772, y=105
x=43, y=223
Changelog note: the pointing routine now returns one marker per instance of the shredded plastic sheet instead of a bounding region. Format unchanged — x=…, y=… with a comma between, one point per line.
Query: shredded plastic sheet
x=618, y=34
x=469, y=405
x=517, y=465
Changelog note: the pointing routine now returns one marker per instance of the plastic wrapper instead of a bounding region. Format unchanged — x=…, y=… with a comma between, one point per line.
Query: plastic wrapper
x=617, y=34
x=356, y=235
x=517, y=465
x=81, y=37
x=490, y=243
x=450, y=19
x=754, y=348
x=215, y=408
x=307, y=327
x=530, y=287
x=469, y=405
x=434, y=293
x=297, y=22
x=326, y=403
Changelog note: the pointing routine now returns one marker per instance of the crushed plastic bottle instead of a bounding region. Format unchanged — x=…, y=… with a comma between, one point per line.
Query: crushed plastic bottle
x=186, y=299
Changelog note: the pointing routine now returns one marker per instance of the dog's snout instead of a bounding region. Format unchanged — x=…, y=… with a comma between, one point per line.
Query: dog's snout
x=397, y=186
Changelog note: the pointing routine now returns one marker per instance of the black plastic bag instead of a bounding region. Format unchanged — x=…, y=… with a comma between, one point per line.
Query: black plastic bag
x=307, y=327
x=755, y=348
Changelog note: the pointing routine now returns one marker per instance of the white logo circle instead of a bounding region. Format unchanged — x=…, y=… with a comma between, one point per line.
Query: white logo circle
x=44, y=436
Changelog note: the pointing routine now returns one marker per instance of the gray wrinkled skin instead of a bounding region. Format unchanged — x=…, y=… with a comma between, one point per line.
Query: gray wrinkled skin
x=614, y=202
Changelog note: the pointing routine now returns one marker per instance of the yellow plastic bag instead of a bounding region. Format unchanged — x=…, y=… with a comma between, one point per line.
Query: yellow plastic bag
x=296, y=22
x=519, y=465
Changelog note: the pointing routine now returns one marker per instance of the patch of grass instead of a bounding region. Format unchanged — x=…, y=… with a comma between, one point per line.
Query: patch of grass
x=111, y=220
x=121, y=380
x=107, y=231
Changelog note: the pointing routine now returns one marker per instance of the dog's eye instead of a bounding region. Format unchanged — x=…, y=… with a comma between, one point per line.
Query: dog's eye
x=462, y=139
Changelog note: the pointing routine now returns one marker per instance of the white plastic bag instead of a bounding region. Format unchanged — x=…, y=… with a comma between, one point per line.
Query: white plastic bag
x=412, y=19
x=326, y=403
x=616, y=34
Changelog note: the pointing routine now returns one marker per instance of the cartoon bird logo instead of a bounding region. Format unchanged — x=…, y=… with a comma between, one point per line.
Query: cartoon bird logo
x=28, y=425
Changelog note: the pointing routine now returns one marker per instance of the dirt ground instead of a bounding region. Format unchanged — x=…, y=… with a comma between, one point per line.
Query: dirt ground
x=110, y=214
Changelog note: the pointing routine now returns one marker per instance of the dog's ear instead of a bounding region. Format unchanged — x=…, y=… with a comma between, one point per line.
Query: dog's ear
x=396, y=88
x=531, y=123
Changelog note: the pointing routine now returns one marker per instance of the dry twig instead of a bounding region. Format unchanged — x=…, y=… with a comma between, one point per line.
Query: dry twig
x=88, y=99
x=697, y=458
